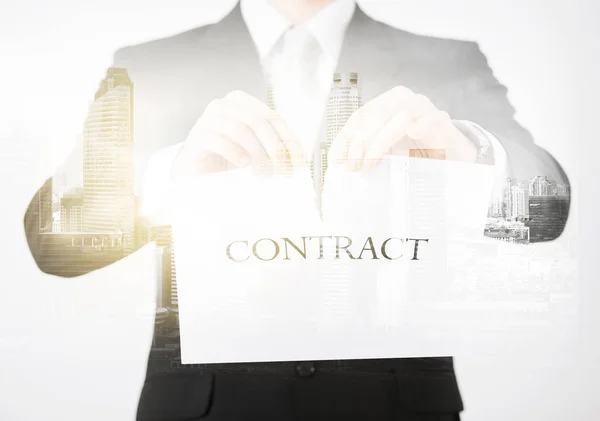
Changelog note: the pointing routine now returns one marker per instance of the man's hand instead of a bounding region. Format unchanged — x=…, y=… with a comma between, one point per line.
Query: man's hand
x=236, y=131
x=395, y=123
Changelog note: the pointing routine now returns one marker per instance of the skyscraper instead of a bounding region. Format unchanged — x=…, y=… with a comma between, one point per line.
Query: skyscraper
x=39, y=214
x=45, y=207
x=517, y=201
x=163, y=235
x=539, y=186
x=338, y=292
x=507, y=200
x=71, y=211
x=563, y=189
x=344, y=99
x=108, y=172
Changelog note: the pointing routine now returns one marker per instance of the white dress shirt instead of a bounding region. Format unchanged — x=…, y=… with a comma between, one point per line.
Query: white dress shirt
x=300, y=100
x=276, y=40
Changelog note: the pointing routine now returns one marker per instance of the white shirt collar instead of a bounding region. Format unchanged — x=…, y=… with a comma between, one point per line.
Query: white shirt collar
x=266, y=25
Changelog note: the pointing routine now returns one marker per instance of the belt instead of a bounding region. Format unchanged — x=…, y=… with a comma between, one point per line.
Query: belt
x=309, y=368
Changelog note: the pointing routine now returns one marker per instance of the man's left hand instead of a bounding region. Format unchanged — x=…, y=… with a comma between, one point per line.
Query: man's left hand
x=395, y=123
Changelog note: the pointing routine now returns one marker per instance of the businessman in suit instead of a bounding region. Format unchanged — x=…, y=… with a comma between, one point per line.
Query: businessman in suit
x=201, y=107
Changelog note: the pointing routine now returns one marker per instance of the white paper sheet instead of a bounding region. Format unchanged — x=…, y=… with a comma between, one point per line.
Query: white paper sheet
x=300, y=302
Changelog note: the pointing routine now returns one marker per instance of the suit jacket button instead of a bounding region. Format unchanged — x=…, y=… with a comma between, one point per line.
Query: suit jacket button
x=305, y=369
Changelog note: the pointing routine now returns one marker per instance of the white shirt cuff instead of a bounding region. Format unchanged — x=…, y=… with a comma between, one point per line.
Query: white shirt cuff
x=500, y=157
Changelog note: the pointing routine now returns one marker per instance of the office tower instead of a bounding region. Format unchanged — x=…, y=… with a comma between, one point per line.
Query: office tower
x=496, y=207
x=39, y=214
x=338, y=299
x=552, y=188
x=71, y=211
x=45, y=206
x=344, y=99
x=524, y=186
x=506, y=201
x=517, y=201
x=539, y=186
x=56, y=227
x=142, y=225
x=563, y=190
x=163, y=236
x=547, y=217
x=108, y=172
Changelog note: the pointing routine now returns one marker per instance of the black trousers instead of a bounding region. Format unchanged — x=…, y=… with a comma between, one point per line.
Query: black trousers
x=418, y=389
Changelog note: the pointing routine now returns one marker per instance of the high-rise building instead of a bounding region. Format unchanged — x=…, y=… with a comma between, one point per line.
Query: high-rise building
x=517, y=202
x=495, y=209
x=547, y=217
x=552, y=188
x=539, y=186
x=338, y=292
x=506, y=198
x=71, y=211
x=344, y=99
x=45, y=207
x=108, y=170
x=142, y=225
x=39, y=214
x=163, y=236
x=563, y=189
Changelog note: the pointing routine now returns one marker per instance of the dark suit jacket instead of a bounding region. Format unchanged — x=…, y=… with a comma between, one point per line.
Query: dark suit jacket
x=176, y=77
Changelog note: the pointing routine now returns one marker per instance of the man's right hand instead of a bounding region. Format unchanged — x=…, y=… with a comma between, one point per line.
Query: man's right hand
x=236, y=131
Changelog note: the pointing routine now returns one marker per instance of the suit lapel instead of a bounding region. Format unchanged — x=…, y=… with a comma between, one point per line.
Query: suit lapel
x=234, y=61
x=367, y=51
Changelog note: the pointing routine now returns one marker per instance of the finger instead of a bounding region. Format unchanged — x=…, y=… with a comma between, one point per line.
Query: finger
x=435, y=134
x=370, y=125
x=230, y=151
x=264, y=131
x=420, y=121
x=355, y=154
x=338, y=150
x=382, y=108
x=239, y=134
x=424, y=127
x=248, y=101
x=232, y=112
x=421, y=106
x=389, y=135
x=256, y=115
x=432, y=147
x=291, y=143
x=391, y=101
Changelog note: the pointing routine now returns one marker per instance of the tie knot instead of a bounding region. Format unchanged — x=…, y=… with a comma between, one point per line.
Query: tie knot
x=299, y=41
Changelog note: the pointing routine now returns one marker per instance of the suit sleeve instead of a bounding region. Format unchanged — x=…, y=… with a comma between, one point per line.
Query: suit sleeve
x=482, y=99
x=71, y=250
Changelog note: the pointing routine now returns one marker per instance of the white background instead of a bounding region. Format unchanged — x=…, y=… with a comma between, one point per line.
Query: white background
x=76, y=349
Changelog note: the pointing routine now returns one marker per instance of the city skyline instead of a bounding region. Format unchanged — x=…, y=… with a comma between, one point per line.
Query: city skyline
x=528, y=211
